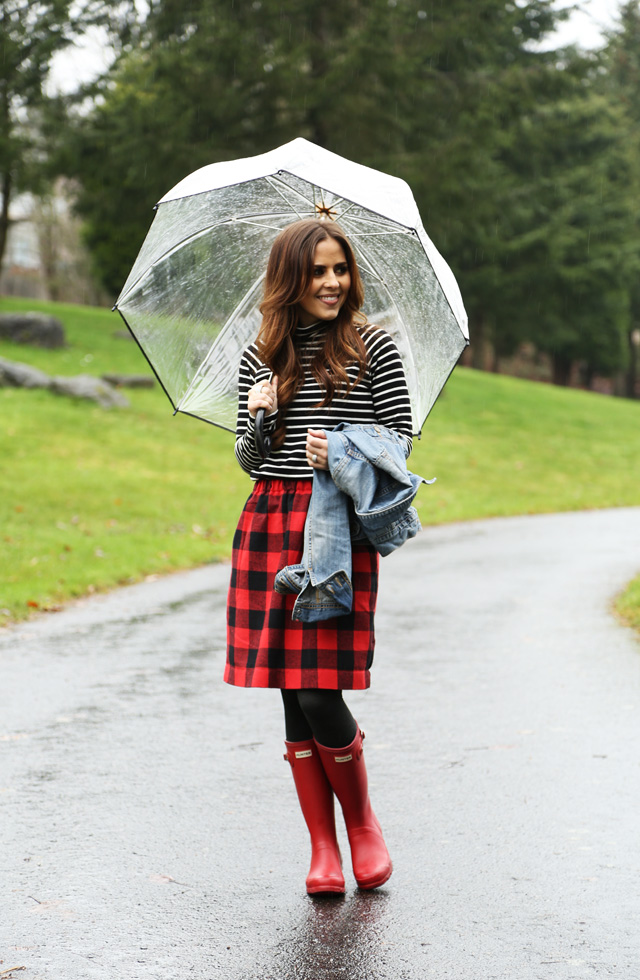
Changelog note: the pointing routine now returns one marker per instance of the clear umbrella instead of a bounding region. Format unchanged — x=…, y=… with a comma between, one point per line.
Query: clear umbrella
x=192, y=297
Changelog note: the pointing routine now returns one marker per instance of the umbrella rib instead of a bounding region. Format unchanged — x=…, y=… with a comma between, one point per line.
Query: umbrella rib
x=374, y=275
x=273, y=182
x=376, y=234
x=192, y=238
x=148, y=359
x=226, y=329
x=394, y=305
x=382, y=226
x=170, y=251
x=317, y=190
x=371, y=270
x=257, y=224
x=367, y=221
x=339, y=201
x=383, y=284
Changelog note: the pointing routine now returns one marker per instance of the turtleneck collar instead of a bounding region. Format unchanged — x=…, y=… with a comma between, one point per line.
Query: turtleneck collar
x=303, y=333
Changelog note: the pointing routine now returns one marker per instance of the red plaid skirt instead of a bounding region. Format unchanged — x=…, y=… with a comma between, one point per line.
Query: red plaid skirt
x=265, y=647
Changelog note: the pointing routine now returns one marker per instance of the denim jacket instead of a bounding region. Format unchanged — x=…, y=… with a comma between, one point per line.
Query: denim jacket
x=365, y=496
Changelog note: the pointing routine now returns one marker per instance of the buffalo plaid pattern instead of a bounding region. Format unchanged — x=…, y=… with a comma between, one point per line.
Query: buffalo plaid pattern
x=265, y=647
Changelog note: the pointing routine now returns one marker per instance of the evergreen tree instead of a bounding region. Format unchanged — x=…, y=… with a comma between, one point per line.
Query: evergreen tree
x=414, y=87
x=566, y=235
x=621, y=82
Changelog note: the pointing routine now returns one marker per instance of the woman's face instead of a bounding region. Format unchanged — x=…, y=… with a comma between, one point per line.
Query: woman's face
x=329, y=286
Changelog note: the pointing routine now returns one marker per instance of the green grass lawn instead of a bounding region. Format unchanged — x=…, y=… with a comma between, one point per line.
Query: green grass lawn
x=93, y=498
x=627, y=604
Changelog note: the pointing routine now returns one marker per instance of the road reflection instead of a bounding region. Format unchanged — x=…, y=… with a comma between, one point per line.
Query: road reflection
x=337, y=939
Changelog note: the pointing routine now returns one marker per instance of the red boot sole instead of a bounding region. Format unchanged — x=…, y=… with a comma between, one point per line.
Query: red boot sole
x=326, y=890
x=376, y=882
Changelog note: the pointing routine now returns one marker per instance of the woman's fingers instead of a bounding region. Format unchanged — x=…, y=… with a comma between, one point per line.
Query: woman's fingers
x=317, y=449
x=274, y=388
x=262, y=395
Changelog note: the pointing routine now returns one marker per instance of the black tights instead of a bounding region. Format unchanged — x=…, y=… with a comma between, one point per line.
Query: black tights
x=319, y=714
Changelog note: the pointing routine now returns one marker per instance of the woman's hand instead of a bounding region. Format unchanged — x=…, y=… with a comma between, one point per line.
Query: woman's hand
x=317, y=449
x=263, y=395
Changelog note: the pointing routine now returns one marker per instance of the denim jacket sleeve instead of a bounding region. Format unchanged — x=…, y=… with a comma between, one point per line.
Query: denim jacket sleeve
x=368, y=463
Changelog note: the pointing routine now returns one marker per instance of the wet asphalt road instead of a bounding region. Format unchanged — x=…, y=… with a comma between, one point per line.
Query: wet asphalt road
x=149, y=823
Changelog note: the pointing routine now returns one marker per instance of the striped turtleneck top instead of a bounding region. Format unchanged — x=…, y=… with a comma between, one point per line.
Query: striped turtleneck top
x=381, y=397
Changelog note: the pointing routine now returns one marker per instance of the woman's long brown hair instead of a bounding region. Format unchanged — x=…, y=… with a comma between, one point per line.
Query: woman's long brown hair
x=289, y=274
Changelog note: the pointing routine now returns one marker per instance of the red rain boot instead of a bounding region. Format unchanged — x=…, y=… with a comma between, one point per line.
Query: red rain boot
x=347, y=774
x=316, y=802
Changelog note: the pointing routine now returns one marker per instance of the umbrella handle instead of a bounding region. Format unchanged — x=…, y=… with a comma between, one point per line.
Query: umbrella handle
x=263, y=442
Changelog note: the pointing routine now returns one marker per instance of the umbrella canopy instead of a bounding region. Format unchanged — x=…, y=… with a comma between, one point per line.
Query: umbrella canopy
x=192, y=297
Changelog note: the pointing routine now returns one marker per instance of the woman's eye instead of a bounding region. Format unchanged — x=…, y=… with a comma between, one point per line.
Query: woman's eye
x=339, y=270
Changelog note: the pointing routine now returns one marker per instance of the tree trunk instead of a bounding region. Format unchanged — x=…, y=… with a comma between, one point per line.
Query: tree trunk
x=4, y=213
x=477, y=342
x=6, y=179
x=632, y=371
x=317, y=117
x=561, y=369
x=50, y=232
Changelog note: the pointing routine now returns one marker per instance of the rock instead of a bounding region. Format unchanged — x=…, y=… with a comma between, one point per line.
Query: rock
x=88, y=386
x=17, y=375
x=129, y=380
x=14, y=374
x=37, y=329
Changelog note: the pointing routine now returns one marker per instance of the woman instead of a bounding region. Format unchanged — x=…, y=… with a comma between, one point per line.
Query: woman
x=316, y=363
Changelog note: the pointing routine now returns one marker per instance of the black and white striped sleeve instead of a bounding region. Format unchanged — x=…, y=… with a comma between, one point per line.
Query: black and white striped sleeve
x=389, y=385
x=252, y=370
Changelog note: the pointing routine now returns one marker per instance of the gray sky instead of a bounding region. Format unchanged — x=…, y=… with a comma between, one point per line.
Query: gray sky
x=585, y=25
x=85, y=62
